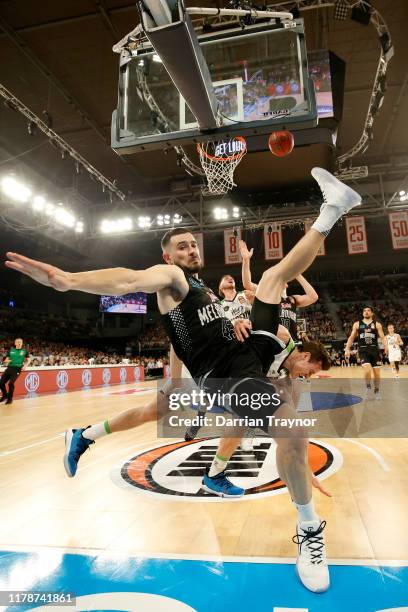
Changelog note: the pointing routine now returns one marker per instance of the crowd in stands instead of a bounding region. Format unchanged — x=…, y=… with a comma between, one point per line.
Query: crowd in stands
x=386, y=312
x=26, y=322
x=318, y=322
x=154, y=337
x=43, y=353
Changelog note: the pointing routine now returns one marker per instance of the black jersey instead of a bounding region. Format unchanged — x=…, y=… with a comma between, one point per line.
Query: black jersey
x=199, y=330
x=288, y=316
x=367, y=335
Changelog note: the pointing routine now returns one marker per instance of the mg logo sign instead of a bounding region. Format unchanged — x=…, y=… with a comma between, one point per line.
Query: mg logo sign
x=136, y=373
x=122, y=374
x=86, y=378
x=62, y=379
x=106, y=376
x=32, y=382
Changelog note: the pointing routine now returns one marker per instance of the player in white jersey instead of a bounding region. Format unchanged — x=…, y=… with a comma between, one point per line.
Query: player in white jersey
x=234, y=303
x=394, y=349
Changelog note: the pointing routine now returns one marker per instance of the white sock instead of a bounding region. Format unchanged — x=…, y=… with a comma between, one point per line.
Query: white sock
x=329, y=215
x=96, y=431
x=218, y=465
x=307, y=512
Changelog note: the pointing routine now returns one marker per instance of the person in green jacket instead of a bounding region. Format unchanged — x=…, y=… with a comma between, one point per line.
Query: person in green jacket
x=14, y=364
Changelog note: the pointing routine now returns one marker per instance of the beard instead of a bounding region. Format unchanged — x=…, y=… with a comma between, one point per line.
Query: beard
x=192, y=268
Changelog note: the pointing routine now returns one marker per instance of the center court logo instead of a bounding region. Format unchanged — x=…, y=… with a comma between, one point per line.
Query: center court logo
x=62, y=379
x=86, y=378
x=32, y=382
x=175, y=470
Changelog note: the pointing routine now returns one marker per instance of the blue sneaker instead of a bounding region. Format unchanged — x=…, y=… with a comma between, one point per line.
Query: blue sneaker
x=75, y=446
x=221, y=486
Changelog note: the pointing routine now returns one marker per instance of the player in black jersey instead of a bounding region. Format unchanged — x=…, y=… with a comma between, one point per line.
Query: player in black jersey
x=204, y=340
x=367, y=331
x=289, y=303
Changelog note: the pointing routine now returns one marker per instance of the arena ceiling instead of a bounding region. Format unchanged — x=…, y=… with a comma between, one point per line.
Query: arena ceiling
x=57, y=57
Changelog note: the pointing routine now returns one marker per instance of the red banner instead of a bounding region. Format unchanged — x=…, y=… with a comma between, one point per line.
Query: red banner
x=399, y=229
x=58, y=380
x=308, y=224
x=273, y=241
x=356, y=235
x=231, y=247
x=200, y=243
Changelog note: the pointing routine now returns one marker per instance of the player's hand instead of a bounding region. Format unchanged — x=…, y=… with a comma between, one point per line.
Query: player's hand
x=243, y=249
x=242, y=328
x=318, y=485
x=250, y=295
x=43, y=273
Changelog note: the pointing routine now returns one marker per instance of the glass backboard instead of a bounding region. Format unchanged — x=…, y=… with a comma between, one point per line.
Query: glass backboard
x=260, y=79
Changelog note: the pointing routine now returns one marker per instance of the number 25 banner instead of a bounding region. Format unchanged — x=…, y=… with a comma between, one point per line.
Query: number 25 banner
x=399, y=229
x=273, y=241
x=231, y=246
x=356, y=235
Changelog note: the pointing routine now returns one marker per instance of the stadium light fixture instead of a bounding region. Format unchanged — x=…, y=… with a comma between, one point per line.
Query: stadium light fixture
x=220, y=214
x=15, y=190
x=113, y=226
x=38, y=203
x=144, y=222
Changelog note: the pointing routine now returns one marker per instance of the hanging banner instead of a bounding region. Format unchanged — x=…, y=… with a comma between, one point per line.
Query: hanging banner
x=231, y=246
x=356, y=235
x=308, y=224
x=200, y=243
x=399, y=229
x=273, y=241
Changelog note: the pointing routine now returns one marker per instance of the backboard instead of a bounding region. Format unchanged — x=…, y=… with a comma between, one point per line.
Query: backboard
x=260, y=79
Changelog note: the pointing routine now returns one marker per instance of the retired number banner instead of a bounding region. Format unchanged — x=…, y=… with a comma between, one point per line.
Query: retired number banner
x=273, y=241
x=200, y=244
x=356, y=235
x=399, y=229
x=231, y=246
x=308, y=224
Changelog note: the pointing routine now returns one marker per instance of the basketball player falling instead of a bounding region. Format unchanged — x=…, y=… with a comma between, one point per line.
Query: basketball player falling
x=394, y=343
x=367, y=331
x=205, y=341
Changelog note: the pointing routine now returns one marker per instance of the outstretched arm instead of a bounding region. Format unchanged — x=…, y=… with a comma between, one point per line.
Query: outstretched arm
x=310, y=296
x=246, y=266
x=350, y=340
x=111, y=281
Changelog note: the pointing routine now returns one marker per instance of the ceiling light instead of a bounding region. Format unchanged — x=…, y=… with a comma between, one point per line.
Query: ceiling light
x=15, y=190
x=38, y=203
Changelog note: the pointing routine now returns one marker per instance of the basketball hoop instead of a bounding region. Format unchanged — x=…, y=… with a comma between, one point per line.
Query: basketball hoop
x=219, y=160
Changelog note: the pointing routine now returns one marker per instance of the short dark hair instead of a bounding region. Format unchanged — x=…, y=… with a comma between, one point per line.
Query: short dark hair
x=317, y=353
x=370, y=307
x=176, y=231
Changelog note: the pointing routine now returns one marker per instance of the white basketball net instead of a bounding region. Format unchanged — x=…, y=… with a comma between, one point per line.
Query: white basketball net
x=219, y=160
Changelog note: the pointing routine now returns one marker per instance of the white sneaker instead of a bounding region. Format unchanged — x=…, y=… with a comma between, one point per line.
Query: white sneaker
x=335, y=193
x=377, y=396
x=247, y=444
x=369, y=394
x=311, y=564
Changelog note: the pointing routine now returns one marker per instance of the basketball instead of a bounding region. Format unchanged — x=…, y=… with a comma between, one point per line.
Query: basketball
x=281, y=143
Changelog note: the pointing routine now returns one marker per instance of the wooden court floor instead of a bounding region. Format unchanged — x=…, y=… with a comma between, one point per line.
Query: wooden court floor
x=40, y=506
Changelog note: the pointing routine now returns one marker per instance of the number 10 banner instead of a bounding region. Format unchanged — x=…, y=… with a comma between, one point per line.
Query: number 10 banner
x=399, y=229
x=356, y=235
x=273, y=241
x=231, y=246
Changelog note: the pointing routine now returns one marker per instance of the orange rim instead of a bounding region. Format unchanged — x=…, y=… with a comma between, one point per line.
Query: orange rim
x=224, y=159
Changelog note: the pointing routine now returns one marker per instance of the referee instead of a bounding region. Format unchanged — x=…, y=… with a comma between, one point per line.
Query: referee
x=14, y=364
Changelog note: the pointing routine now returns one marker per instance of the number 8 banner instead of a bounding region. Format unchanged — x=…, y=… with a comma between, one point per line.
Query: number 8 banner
x=273, y=241
x=399, y=229
x=356, y=235
x=231, y=246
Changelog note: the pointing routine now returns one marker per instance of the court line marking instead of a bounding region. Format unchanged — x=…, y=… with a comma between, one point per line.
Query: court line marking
x=21, y=448
x=98, y=552
x=373, y=452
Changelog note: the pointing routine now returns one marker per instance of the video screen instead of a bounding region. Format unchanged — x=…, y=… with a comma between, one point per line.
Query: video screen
x=131, y=303
x=319, y=70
